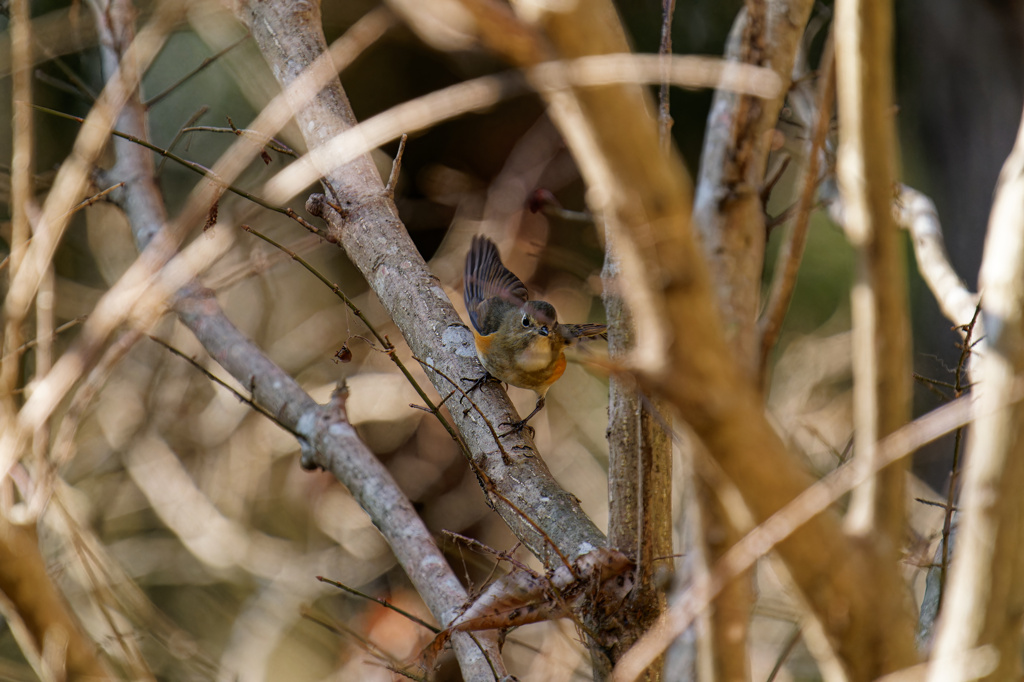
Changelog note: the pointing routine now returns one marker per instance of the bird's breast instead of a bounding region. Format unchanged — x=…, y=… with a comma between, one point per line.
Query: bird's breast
x=538, y=355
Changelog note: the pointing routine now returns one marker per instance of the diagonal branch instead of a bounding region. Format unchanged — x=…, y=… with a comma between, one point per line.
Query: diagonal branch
x=377, y=243
x=329, y=440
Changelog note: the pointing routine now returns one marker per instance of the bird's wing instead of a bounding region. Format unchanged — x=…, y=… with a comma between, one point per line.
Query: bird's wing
x=485, y=279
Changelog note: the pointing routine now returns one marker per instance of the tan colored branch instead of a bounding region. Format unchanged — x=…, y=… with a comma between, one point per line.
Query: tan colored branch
x=643, y=195
x=729, y=216
x=984, y=601
x=48, y=621
x=916, y=213
x=22, y=164
x=881, y=326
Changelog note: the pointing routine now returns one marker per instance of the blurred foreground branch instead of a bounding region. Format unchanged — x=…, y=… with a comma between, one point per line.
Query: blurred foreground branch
x=643, y=197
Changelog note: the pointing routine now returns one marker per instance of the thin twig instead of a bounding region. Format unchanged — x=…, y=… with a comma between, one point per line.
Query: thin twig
x=272, y=143
x=341, y=629
x=788, y=264
x=352, y=590
x=181, y=81
x=217, y=380
x=199, y=113
x=665, y=49
x=930, y=503
x=396, y=168
x=196, y=168
x=478, y=546
x=954, y=471
x=63, y=328
x=57, y=83
x=388, y=347
x=506, y=458
x=77, y=83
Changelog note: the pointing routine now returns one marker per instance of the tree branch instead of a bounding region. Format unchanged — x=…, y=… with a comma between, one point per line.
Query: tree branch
x=881, y=328
x=329, y=440
x=536, y=508
x=984, y=601
x=643, y=196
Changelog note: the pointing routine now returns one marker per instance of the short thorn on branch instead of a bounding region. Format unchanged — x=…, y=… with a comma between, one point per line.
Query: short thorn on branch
x=396, y=168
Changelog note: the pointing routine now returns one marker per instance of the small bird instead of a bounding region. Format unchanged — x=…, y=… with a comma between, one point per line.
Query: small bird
x=519, y=341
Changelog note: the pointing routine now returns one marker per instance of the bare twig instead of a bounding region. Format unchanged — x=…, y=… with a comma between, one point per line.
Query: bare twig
x=198, y=114
x=865, y=170
x=198, y=169
x=791, y=254
x=392, y=607
x=668, y=10
x=272, y=143
x=396, y=167
x=786, y=521
x=256, y=407
x=194, y=72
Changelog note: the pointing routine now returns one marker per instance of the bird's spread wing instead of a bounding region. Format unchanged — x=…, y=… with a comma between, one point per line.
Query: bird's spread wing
x=485, y=279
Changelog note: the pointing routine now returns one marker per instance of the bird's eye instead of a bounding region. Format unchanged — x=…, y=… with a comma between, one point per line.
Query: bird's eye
x=526, y=320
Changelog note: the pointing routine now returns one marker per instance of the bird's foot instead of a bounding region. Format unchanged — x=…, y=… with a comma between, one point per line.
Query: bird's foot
x=518, y=427
x=478, y=382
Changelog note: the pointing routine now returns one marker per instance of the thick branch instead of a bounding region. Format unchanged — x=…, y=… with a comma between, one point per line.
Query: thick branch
x=547, y=518
x=48, y=621
x=330, y=441
x=643, y=195
x=639, y=476
x=727, y=209
x=729, y=215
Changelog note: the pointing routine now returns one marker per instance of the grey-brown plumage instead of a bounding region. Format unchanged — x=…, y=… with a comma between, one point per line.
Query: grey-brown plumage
x=518, y=341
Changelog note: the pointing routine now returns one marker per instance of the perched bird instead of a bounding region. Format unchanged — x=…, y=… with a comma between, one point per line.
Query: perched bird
x=519, y=341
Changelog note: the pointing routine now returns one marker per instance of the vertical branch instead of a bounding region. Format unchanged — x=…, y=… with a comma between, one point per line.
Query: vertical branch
x=792, y=250
x=727, y=206
x=21, y=180
x=730, y=218
x=881, y=334
x=984, y=604
x=47, y=622
x=639, y=447
x=639, y=473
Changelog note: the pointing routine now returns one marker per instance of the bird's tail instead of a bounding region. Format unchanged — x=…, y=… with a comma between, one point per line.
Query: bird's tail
x=586, y=331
